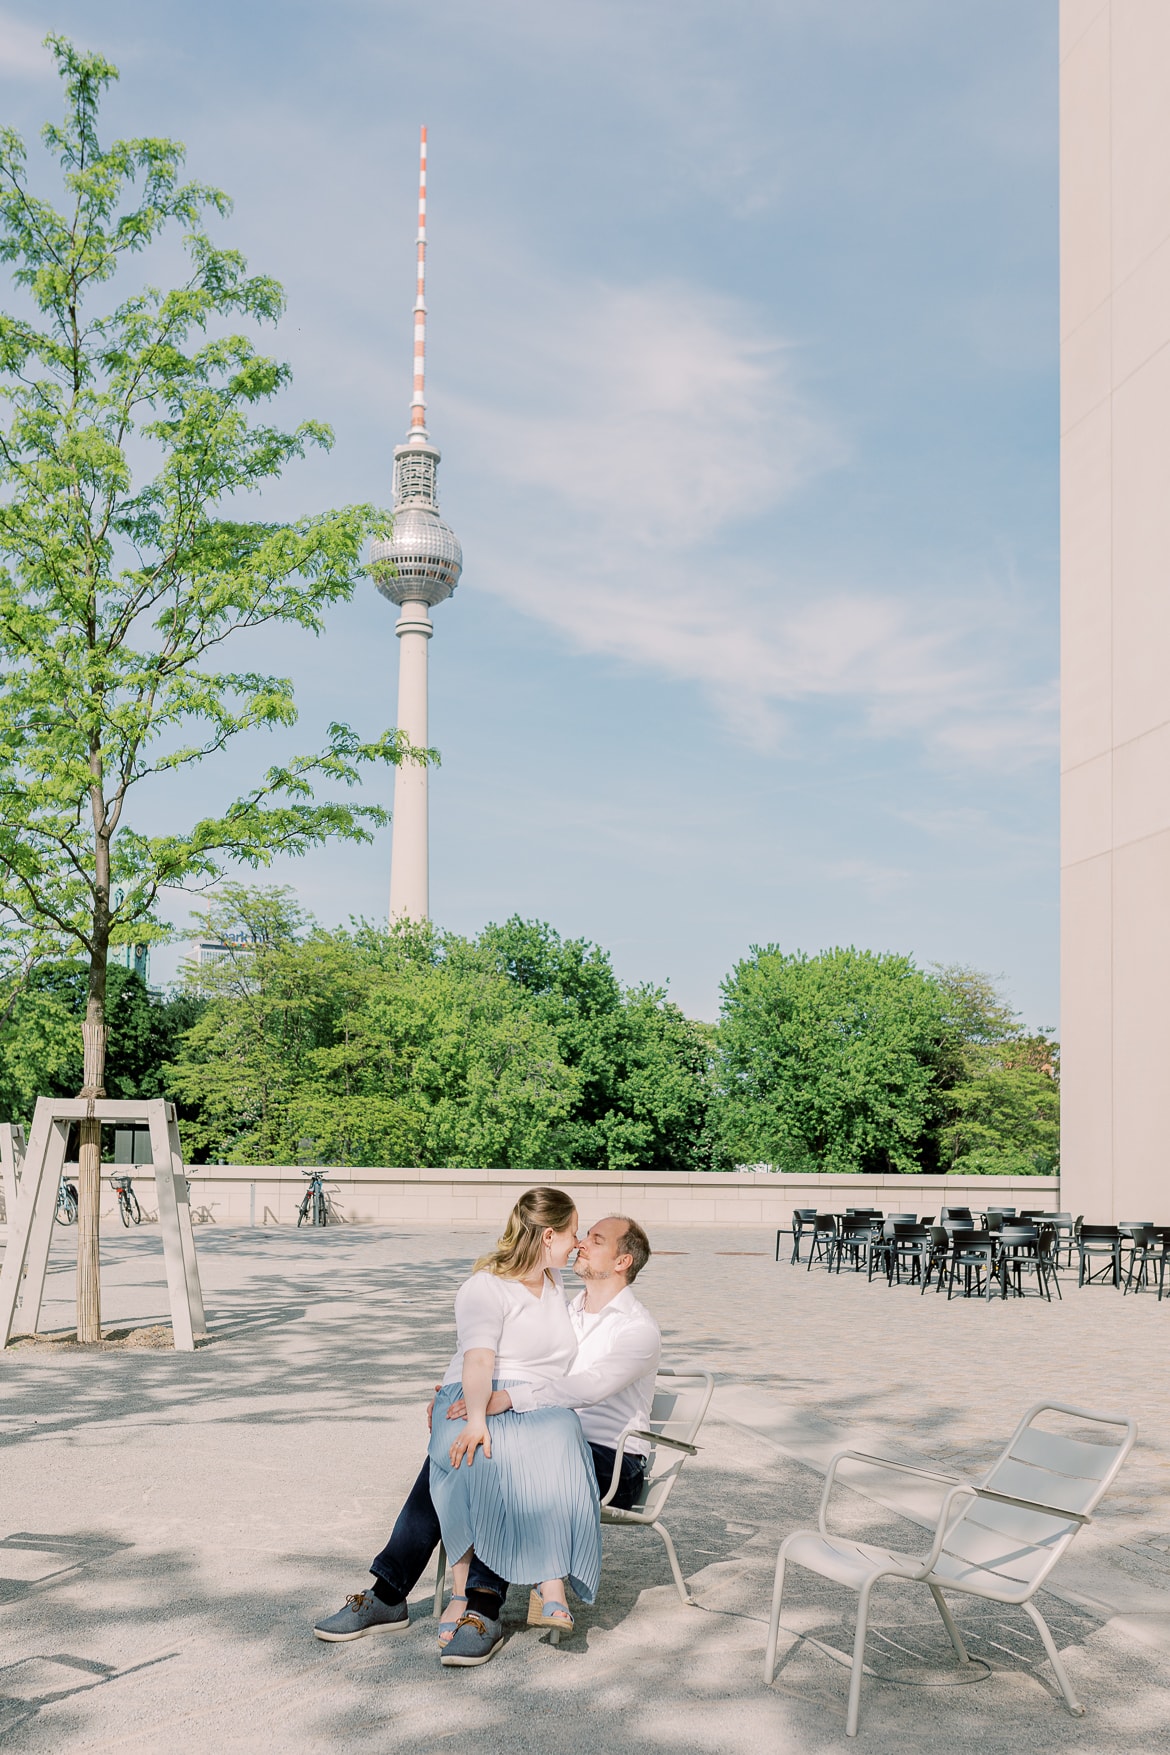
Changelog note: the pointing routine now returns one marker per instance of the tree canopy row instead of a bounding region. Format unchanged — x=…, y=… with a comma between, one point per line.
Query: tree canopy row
x=521, y=1049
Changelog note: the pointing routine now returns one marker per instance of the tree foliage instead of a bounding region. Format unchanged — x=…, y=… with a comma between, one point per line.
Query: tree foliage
x=854, y=1061
x=829, y=1063
x=128, y=556
x=415, y=1047
x=40, y=1039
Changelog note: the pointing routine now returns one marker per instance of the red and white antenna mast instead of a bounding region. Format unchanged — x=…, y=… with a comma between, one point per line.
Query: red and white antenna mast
x=418, y=401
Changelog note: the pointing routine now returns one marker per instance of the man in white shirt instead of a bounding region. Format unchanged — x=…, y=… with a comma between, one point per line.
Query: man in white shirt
x=612, y=1388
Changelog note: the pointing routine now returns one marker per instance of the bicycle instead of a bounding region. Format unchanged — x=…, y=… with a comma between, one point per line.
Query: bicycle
x=315, y=1206
x=128, y=1206
x=66, y=1213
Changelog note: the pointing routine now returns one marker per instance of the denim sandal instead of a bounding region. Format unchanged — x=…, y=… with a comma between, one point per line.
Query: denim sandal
x=542, y=1614
x=451, y=1619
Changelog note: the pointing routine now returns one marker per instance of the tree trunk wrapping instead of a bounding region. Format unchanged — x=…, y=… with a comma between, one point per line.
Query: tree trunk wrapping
x=89, y=1172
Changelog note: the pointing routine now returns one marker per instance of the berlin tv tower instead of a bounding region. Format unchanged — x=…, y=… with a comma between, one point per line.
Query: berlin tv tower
x=427, y=560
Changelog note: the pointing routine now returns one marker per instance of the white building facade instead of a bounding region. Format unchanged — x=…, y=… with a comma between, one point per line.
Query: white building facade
x=1115, y=593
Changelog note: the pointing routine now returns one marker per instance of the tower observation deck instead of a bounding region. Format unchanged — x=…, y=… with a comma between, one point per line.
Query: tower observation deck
x=417, y=566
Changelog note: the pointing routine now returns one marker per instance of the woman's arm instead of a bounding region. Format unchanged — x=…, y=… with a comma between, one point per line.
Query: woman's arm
x=479, y=1365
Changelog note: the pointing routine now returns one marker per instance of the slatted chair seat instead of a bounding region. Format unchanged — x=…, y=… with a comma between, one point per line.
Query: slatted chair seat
x=997, y=1539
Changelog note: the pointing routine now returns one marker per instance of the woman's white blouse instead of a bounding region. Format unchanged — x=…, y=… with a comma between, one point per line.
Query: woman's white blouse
x=533, y=1338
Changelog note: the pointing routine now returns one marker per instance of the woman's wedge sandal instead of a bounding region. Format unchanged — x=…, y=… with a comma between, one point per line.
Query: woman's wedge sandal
x=555, y=1616
x=451, y=1619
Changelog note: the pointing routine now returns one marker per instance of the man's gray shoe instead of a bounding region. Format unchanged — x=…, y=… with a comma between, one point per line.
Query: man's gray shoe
x=363, y=1614
x=474, y=1641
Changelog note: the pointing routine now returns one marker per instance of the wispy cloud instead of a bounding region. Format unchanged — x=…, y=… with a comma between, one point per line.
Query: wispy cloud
x=23, y=55
x=632, y=515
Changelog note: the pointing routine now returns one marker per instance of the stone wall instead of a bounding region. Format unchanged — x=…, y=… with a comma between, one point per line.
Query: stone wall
x=239, y=1194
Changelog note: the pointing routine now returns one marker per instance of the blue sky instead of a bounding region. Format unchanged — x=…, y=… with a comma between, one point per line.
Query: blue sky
x=743, y=361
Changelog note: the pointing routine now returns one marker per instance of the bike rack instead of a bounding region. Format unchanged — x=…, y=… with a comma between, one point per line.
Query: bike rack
x=31, y=1215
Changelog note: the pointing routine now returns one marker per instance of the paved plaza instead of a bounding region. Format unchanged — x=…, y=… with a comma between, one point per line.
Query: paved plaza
x=172, y=1524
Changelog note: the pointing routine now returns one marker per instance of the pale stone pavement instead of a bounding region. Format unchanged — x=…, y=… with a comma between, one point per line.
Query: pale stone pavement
x=170, y=1525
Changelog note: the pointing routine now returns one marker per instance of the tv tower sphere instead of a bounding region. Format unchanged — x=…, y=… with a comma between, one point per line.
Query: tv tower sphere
x=417, y=566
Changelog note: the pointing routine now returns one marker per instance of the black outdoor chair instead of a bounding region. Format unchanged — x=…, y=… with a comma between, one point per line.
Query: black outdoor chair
x=1130, y=1229
x=856, y=1239
x=1162, y=1261
x=1098, y=1241
x=938, y=1257
x=905, y=1246
x=802, y=1217
x=1149, y=1245
x=972, y=1255
x=1062, y=1224
x=962, y=1214
x=1024, y=1250
x=823, y=1241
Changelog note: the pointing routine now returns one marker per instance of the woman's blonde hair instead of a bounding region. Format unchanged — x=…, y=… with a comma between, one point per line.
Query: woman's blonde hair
x=519, y=1249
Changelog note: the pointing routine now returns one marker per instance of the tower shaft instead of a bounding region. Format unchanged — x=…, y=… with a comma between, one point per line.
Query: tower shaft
x=409, y=853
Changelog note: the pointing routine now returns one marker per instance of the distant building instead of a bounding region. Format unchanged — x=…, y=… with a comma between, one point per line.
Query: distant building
x=212, y=952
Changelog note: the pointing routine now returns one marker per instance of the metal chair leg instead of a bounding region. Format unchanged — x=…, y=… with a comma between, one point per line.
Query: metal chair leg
x=858, y=1659
x=948, y=1621
x=1041, y=1625
x=440, y=1580
x=774, y=1618
x=679, y=1581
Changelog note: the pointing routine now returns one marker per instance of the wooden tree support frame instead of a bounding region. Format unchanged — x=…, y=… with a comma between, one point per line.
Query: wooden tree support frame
x=30, y=1217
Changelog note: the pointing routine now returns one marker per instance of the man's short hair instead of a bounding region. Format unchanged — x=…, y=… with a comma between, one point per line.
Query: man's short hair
x=634, y=1243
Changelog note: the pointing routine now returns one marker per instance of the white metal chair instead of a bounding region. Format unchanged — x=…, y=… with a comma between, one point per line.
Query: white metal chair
x=681, y=1400
x=678, y=1410
x=1001, y=1546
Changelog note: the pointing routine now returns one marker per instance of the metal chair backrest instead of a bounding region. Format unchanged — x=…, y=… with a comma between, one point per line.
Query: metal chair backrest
x=901, y=1218
x=961, y=1213
x=1101, y=1234
x=1004, y=1212
x=1059, y=1478
x=681, y=1400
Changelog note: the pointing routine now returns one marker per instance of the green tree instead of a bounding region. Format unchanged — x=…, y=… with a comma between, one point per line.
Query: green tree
x=642, y=1065
x=404, y=1047
x=1003, y=1119
x=830, y=1062
x=40, y=1039
x=999, y=1087
x=517, y=1049
x=128, y=559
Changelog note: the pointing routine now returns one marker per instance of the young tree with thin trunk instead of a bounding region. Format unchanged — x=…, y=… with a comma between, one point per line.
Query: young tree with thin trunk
x=129, y=440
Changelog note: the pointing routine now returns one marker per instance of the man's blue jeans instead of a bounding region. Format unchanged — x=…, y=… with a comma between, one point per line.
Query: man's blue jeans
x=416, y=1534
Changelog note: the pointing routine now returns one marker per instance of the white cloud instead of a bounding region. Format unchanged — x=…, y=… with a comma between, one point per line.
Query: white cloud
x=673, y=415
x=629, y=515
x=22, y=52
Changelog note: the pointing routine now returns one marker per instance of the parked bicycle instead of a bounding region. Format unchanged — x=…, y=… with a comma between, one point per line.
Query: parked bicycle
x=315, y=1206
x=66, y=1213
x=128, y=1207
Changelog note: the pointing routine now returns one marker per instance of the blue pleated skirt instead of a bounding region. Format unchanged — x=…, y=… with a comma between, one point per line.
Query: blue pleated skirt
x=531, y=1511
